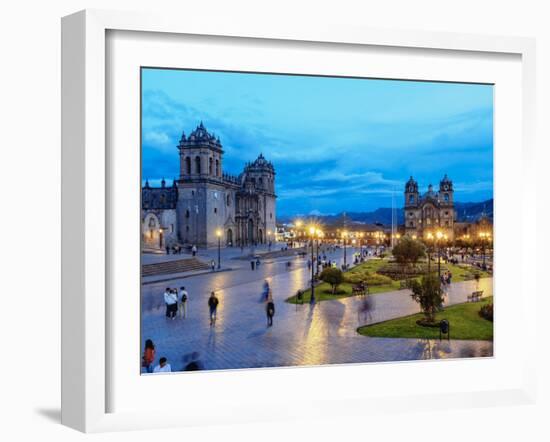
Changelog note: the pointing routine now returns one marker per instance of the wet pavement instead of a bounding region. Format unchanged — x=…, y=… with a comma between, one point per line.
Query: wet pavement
x=324, y=333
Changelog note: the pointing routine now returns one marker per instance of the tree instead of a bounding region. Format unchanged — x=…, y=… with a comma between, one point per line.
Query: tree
x=408, y=251
x=427, y=293
x=332, y=276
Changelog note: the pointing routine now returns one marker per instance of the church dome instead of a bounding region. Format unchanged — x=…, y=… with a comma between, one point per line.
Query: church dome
x=199, y=137
x=260, y=163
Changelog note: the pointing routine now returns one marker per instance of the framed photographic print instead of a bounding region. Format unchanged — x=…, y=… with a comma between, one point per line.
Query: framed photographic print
x=249, y=206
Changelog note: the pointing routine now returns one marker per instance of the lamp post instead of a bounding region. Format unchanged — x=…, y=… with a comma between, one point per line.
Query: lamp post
x=361, y=235
x=319, y=234
x=219, y=235
x=312, y=297
x=344, y=235
x=439, y=235
x=430, y=238
x=484, y=236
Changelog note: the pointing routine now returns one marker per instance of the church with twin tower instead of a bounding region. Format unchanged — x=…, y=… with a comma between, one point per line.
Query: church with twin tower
x=431, y=212
x=205, y=200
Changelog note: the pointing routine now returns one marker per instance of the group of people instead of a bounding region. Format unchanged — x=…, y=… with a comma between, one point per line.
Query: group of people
x=148, y=360
x=176, y=302
x=191, y=361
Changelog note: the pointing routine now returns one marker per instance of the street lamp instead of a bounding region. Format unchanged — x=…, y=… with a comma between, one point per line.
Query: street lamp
x=219, y=235
x=319, y=234
x=361, y=235
x=484, y=236
x=430, y=238
x=312, y=297
x=439, y=235
x=344, y=235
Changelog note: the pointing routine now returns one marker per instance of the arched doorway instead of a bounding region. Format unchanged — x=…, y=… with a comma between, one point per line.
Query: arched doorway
x=260, y=236
x=229, y=237
x=151, y=231
x=250, y=236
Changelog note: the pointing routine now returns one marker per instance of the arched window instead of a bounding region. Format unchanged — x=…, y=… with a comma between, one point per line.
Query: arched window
x=187, y=213
x=198, y=165
x=228, y=200
x=188, y=165
x=210, y=162
x=446, y=196
x=261, y=182
x=217, y=167
x=411, y=199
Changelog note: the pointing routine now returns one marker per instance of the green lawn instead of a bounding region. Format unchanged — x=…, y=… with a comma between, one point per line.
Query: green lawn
x=464, y=320
x=323, y=291
x=462, y=272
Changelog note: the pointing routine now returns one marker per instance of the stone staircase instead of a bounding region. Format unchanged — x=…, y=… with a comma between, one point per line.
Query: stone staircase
x=174, y=266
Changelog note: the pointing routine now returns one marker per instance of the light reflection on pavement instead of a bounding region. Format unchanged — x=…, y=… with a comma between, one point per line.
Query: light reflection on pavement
x=301, y=335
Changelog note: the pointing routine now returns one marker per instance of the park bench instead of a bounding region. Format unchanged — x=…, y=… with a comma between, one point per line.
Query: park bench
x=475, y=296
x=359, y=289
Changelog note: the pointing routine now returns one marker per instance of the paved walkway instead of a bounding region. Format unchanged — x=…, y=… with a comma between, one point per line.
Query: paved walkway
x=301, y=335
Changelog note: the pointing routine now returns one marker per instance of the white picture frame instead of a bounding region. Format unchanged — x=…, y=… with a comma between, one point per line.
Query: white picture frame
x=85, y=214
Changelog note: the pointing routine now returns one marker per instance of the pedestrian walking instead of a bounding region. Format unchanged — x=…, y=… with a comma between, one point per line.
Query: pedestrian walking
x=148, y=356
x=171, y=301
x=213, y=307
x=213, y=265
x=163, y=367
x=252, y=264
x=194, y=250
x=167, y=250
x=270, y=310
x=184, y=297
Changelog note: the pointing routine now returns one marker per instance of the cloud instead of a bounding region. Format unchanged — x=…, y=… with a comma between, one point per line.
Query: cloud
x=328, y=155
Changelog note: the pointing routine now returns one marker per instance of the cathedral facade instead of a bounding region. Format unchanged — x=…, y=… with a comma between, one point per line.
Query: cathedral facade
x=205, y=200
x=429, y=212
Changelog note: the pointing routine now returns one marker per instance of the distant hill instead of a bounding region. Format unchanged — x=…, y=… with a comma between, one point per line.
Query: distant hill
x=466, y=212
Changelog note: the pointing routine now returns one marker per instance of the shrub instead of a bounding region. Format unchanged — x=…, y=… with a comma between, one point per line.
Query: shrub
x=354, y=278
x=396, y=271
x=332, y=276
x=486, y=311
x=428, y=294
x=376, y=279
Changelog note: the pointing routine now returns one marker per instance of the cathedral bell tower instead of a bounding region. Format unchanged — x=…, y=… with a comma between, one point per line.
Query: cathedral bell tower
x=446, y=191
x=200, y=156
x=411, y=193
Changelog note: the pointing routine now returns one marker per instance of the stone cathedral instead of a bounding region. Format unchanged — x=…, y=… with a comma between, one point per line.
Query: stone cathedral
x=205, y=200
x=429, y=212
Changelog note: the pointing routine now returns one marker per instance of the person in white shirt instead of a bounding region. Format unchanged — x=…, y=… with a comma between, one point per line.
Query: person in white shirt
x=163, y=367
x=167, y=301
x=171, y=301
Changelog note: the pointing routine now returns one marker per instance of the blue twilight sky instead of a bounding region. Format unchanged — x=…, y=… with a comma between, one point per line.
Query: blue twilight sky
x=338, y=144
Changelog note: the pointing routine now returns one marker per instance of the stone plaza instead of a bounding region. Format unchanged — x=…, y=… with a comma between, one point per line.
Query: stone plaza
x=302, y=335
